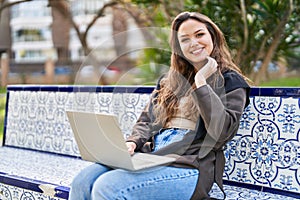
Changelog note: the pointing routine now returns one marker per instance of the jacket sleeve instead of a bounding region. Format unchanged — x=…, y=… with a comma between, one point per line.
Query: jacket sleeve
x=143, y=129
x=221, y=113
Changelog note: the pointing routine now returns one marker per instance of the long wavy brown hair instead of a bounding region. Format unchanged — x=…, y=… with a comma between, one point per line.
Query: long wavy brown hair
x=179, y=81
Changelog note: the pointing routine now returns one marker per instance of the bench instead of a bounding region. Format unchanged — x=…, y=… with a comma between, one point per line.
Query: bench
x=39, y=156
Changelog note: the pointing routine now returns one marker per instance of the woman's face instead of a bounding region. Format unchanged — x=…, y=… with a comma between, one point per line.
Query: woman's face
x=195, y=42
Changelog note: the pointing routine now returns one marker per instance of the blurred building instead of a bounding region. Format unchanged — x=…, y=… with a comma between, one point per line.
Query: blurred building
x=34, y=32
x=31, y=32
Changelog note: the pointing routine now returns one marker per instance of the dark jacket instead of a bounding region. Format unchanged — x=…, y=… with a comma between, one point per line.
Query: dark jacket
x=220, y=112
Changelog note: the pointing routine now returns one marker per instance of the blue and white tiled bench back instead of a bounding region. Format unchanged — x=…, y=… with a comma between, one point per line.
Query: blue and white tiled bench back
x=39, y=157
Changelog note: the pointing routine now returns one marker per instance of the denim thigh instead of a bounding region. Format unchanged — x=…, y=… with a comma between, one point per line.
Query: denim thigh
x=156, y=183
x=83, y=182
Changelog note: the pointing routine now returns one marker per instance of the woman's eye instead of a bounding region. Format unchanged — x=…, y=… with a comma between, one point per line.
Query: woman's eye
x=184, y=40
x=199, y=34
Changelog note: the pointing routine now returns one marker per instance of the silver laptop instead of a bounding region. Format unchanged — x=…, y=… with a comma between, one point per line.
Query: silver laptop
x=99, y=139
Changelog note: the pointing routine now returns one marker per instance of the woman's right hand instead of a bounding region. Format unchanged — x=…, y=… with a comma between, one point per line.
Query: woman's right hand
x=131, y=146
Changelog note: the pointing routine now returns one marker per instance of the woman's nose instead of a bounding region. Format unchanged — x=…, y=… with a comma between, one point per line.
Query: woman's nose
x=194, y=42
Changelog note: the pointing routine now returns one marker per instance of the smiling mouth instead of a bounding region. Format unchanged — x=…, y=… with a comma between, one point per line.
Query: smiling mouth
x=197, y=51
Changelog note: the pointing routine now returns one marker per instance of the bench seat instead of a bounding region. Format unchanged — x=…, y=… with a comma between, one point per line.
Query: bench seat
x=50, y=174
x=239, y=193
x=54, y=172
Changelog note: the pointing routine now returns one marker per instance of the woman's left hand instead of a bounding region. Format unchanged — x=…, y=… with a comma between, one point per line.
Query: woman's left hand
x=206, y=71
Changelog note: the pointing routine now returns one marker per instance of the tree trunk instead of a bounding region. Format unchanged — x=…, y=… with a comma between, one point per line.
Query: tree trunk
x=262, y=73
x=246, y=32
x=60, y=32
x=119, y=25
x=120, y=37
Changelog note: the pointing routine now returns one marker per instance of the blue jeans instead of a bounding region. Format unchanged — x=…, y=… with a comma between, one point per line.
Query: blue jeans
x=98, y=182
x=167, y=136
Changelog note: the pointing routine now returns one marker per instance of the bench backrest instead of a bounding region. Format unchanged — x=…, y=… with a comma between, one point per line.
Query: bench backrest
x=264, y=153
x=36, y=119
x=266, y=150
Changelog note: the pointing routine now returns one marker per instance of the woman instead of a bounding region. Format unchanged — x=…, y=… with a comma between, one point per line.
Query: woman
x=193, y=112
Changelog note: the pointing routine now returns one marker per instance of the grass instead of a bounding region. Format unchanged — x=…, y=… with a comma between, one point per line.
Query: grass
x=286, y=82
x=2, y=112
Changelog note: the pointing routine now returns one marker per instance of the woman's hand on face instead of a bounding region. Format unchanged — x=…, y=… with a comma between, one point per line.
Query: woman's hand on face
x=206, y=71
x=131, y=147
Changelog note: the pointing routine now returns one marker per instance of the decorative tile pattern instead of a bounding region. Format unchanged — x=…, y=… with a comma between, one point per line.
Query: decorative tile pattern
x=266, y=149
x=236, y=193
x=37, y=119
x=8, y=192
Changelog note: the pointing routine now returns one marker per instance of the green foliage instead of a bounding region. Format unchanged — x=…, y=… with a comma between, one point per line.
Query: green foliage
x=263, y=18
x=151, y=70
x=155, y=61
x=146, y=2
x=249, y=40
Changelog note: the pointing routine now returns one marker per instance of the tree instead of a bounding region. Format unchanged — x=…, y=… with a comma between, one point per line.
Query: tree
x=256, y=30
x=268, y=49
x=60, y=6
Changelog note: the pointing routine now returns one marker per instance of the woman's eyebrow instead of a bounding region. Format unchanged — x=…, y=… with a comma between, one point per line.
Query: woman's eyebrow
x=185, y=35
x=201, y=29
